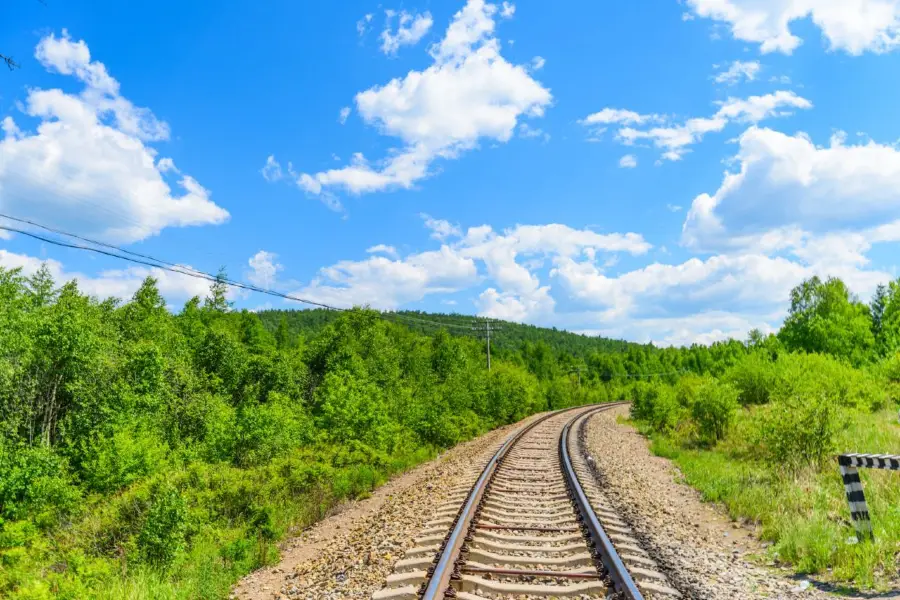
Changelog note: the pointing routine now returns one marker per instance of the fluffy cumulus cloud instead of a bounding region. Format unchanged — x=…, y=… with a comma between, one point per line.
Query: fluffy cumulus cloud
x=786, y=188
x=469, y=93
x=387, y=283
x=701, y=328
x=89, y=166
x=738, y=71
x=628, y=161
x=507, y=260
x=555, y=275
x=441, y=229
x=674, y=138
x=852, y=26
x=264, y=269
x=411, y=28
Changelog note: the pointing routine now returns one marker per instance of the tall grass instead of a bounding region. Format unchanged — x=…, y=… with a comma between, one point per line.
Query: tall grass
x=804, y=513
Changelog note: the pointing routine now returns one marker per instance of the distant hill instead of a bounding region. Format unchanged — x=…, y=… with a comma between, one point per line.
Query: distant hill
x=512, y=336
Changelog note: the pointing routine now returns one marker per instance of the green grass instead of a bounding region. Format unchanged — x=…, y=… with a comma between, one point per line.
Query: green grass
x=804, y=515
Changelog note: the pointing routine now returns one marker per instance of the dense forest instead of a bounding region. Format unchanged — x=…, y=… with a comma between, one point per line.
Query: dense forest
x=146, y=454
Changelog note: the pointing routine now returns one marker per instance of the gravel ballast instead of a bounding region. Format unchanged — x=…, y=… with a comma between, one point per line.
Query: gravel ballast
x=703, y=553
x=349, y=554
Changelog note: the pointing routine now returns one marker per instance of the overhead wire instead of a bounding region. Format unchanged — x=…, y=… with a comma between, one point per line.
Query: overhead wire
x=150, y=261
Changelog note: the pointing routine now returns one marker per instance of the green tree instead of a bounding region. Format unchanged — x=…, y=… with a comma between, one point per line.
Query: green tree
x=40, y=287
x=282, y=334
x=217, y=301
x=887, y=305
x=825, y=317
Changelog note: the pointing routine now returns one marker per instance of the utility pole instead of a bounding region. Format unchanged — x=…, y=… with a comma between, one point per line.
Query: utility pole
x=486, y=327
x=577, y=370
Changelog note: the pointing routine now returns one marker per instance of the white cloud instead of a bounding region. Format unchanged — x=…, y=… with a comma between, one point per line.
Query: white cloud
x=387, y=284
x=507, y=10
x=674, y=207
x=515, y=307
x=516, y=292
x=674, y=140
x=362, y=26
x=165, y=165
x=527, y=131
x=737, y=71
x=344, y=114
x=609, y=116
x=383, y=249
x=410, y=29
x=537, y=63
x=555, y=275
x=88, y=167
x=440, y=229
x=470, y=92
x=787, y=187
x=628, y=161
x=263, y=269
x=271, y=171
x=852, y=26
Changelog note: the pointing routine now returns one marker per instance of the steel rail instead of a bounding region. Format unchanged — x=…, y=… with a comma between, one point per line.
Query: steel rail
x=439, y=579
x=614, y=566
x=440, y=575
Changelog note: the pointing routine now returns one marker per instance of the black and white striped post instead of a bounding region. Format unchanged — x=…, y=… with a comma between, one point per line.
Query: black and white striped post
x=850, y=465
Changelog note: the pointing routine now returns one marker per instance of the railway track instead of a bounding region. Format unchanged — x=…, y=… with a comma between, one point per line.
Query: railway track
x=534, y=524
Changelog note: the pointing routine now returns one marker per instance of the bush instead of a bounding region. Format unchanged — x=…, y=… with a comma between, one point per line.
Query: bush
x=714, y=409
x=800, y=430
x=753, y=376
x=35, y=481
x=656, y=405
x=119, y=460
x=162, y=535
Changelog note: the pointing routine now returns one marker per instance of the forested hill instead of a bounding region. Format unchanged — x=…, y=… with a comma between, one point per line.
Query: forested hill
x=511, y=337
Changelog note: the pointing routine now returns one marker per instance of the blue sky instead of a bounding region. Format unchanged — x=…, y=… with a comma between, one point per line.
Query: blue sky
x=663, y=175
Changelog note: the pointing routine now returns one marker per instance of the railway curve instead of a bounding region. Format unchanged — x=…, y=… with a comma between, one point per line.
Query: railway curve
x=534, y=524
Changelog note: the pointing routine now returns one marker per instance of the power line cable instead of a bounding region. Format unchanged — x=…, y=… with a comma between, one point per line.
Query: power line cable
x=150, y=261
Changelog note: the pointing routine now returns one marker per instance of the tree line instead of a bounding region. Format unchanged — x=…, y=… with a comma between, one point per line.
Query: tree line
x=159, y=454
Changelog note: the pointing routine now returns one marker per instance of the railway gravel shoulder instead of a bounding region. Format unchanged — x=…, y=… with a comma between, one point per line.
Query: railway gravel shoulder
x=702, y=553
x=350, y=553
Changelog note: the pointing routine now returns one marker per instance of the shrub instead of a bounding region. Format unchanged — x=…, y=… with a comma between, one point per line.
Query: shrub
x=656, y=405
x=686, y=389
x=35, y=481
x=714, y=409
x=753, y=376
x=162, y=535
x=800, y=430
x=121, y=459
x=824, y=375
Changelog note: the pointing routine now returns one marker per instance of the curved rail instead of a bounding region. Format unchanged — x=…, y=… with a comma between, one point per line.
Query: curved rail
x=441, y=574
x=614, y=566
x=440, y=577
